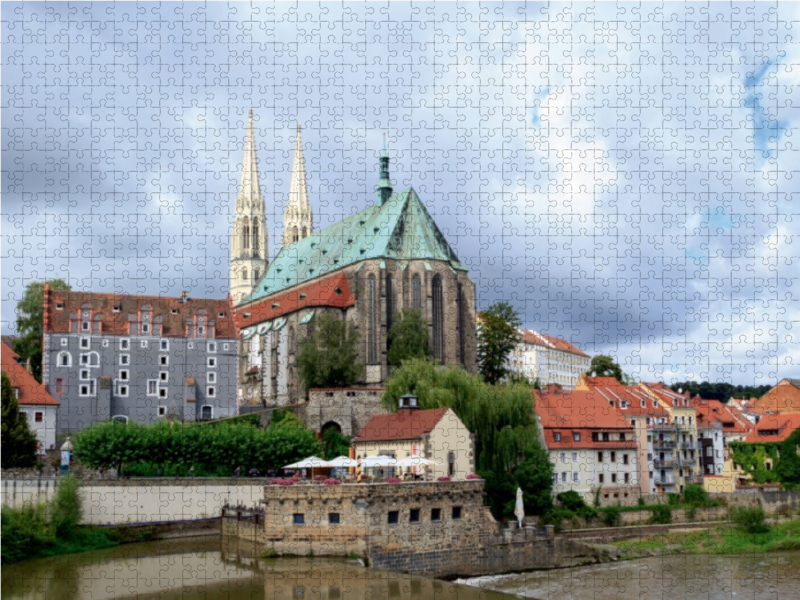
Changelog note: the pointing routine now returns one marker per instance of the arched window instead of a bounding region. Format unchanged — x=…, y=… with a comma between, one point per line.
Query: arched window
x=255, y=237
x=294, y=234
x=460, y=325
x=416, y=292
x=291, y=340
x=256, y=274
x=64, y=359
x=372, y=321
x=438, y=319
x=305, y=232
x=390, y=310
x=246, y=236
x=244, y=274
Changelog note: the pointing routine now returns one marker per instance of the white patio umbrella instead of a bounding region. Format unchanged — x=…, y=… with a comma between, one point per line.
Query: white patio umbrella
x=415, y=461
x=378, y=461
x=519, y=508
x=341, y=462
x=308, y=463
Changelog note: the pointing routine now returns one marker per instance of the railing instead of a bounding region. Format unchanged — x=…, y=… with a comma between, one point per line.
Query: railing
x=666, y=444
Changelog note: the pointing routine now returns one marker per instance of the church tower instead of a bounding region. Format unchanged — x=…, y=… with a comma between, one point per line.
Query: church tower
x=298, y=221
x=249, y=252
x=385, y=184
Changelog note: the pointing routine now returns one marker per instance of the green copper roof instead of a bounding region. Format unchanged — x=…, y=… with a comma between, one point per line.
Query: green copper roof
x=400, y=229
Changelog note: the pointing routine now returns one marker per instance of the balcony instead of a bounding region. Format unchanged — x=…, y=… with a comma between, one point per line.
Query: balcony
x=664, y=444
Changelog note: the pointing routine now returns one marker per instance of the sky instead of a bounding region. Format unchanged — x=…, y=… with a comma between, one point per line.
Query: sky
x=623, y=174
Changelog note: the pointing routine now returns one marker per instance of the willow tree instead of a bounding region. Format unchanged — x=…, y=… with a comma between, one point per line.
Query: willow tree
x=501, y=418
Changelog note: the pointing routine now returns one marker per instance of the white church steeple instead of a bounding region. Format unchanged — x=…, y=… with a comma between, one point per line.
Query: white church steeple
x=249, y=252
x=298, y=220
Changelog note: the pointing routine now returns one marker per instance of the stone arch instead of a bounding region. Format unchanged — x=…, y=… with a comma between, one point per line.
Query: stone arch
x=330, y=425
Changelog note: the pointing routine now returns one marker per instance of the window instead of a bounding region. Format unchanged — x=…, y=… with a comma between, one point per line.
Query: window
x=460, y=326
x=333, y=519
x=211, y=392
x=212, y=347
x=575, y=477
x=436, y=514
x=124, y=344
x=84, y=342
x=613, y=457
x=124, y=359
x=211, y=377
x=38, y=417
x=64, y=359
x=85, y=374
x=416, y=292
x=122, y=389
x=87, y=389
x=624, y=459
x=123, y=375
x=627, y=477
x=211, y=361
x=163, y=376
x=191, y=345
x=207, y=412
x=576, y=437
x=85, y=325
x=224, y=346
x=143, y=344
x=145, y=328
x=59, y=307
x=574, y=457
x=163, y=360
x=556, y=436
x=152, y=387
x=165, y=344
x=563, y=457
x=162, y=392
x=372, y=321
x=63, y=342
x=438, y=318
x=390, y=308
x=59, y=386
x=162, y=411
x=563, y=476
x=394, y=517
x=105, y=343
x=84, y=359
x=413, y=515
x=601, y=478
x=456, y=513
x=613, y=478
x=599, y=457
x=298, y=519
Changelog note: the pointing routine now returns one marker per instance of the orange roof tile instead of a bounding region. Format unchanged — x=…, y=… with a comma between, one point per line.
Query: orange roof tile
x=714, y=411
x=405, y=424
x=540, y=339
x=774, y=428
x=31, y=392
x=612, y=390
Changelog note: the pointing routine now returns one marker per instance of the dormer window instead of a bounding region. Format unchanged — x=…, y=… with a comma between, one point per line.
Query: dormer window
x=59, y=307
x=117, y=308
x=556, y=436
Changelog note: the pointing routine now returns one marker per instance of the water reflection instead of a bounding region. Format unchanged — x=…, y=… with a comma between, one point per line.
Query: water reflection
x=214, y=569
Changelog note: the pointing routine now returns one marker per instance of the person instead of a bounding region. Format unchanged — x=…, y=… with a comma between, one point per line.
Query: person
x=100, y=472
x=237, y=472
x=191, y=471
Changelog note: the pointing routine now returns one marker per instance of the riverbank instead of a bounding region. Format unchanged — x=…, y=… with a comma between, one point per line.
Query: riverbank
x=720, y=540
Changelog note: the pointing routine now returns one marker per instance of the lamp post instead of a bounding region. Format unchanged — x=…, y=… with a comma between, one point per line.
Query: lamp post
x=66, y=456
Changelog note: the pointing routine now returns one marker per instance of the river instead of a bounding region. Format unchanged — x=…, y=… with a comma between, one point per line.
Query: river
x=681, y=577
x=214, y=569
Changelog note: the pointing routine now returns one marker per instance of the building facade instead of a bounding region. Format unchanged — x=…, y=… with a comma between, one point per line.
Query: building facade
x=38, y=406
x=364, y=269
x=140, y=358
x=548, y=359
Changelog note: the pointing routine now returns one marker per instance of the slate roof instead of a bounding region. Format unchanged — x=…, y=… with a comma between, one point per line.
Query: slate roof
x=405, y=424
x=116, y=322
x=400, y=229
x=31, y=392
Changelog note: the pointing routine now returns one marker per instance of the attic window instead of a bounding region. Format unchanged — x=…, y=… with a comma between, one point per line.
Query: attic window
x=174, y=311
x=363, y=251
x=349, y=240
x=376, y=229
x=313, y=245
x=275, y=305
x=221, y=315
x=303, y=296
x=362, y=222
x=338, y=290
x=324, y=252
x=59, y=307
x=116, y=308
x=335, y=260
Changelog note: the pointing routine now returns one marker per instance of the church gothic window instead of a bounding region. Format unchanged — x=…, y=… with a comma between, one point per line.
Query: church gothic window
x=255, y=238
x=246, y=236
x=291, y=340
x=244, y=274
x=460, y=317
x=438, y=319
x=416, y=292
x=305, y=232
x=294, y=234
x=390, y=310
x=372, y=318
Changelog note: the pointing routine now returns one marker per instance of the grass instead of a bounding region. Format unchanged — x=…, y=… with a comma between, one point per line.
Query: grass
x=719, y=540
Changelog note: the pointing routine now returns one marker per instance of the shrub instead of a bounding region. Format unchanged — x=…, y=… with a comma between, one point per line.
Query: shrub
x=444, y=478
x=662, y=514
x=641, y=503
x=282, y=482
x=473, y=476
x=571, y=500
x=612, y=516
x=673, y=499
x=398, y=480
x=695, y=495
x=555, y=517
x=269, y=553
x=66, y=507
x=750, y=518
x=332, y=482
x=25, y=532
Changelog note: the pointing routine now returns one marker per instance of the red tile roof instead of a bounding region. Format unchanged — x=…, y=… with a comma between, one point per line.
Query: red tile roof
x=540, y=339
x=714, y=411
x=322, y=292
x=115, y=322
x=31, y=392
x=405, y=424
x=783, y=424
x=585, y=412
x=612, y=390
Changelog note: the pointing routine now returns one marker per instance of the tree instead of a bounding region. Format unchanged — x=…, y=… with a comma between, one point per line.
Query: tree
x=18, y=441
x=604, y=366
x=788, y=467
x=408, y=337
x=334, y=444
x=329, y=355
x=30, y=319
x=496, y=340
x=67, y=507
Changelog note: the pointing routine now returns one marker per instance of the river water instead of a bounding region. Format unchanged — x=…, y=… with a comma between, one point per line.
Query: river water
x=214, y=569
x=683, y=577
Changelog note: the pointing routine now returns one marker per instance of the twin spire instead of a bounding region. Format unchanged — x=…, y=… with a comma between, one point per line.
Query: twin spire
x=298, y=220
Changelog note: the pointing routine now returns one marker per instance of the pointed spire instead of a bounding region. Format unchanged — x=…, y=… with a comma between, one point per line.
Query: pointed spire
x=298, y=218
x=385, y=184
x=249, y=188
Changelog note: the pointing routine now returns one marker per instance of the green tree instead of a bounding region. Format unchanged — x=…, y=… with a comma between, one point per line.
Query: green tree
x=329, y=355
x=788, y=467
x=496, y=340
x=334, y=444
x=30, y=319
x=286, y=419
x=604, y=366
x=408, y=337
x=18, y=441
x=535, y=476
x=66, y=507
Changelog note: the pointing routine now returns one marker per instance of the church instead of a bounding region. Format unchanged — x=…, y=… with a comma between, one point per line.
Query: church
x=364, y=269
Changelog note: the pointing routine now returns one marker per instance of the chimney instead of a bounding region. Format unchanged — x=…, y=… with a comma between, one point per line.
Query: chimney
x=184, y=297
x=408, y=401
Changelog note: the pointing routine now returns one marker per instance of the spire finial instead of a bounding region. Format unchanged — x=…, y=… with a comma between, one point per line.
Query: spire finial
x=298, y=127
x=385, y=184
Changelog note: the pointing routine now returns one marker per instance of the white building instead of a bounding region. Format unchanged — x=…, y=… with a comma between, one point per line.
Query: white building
x=548, y=359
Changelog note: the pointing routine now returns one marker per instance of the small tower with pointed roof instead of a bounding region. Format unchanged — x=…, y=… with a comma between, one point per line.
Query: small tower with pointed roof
x=298, y=220
x=385, y=184
x=249, y=252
